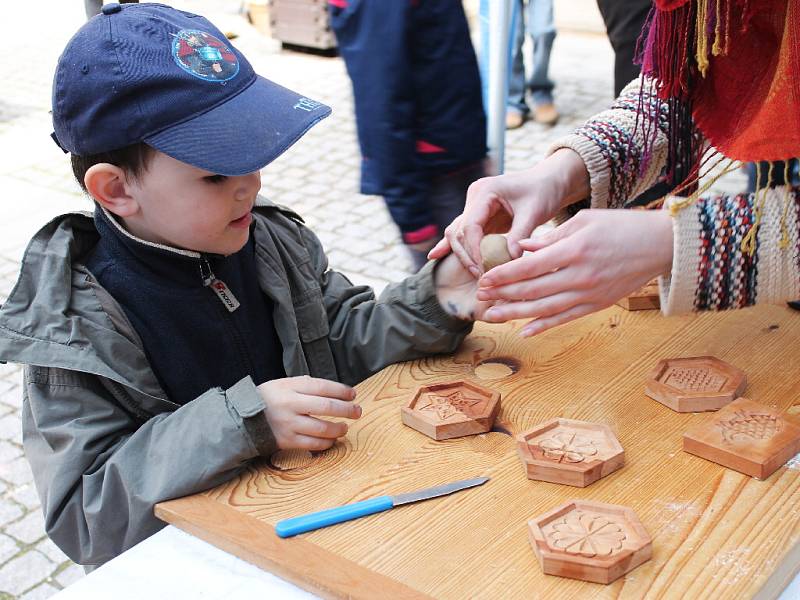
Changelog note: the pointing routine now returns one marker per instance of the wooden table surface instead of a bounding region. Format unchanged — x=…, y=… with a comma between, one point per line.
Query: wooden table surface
x=716, y=533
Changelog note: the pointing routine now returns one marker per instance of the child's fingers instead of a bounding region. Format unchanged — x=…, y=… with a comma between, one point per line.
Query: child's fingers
x=314, y=386
x=327, y=407
x=306, y=442
x=312, y=427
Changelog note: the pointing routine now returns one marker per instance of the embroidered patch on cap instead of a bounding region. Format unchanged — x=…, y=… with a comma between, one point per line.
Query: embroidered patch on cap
x=204, y=56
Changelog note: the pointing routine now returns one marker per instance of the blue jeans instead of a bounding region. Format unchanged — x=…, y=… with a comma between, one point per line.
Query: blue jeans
x=536, y=18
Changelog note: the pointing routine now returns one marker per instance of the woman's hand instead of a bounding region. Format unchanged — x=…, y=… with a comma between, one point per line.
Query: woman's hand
x=294, y=405
x=585, y=265
x=522, y=200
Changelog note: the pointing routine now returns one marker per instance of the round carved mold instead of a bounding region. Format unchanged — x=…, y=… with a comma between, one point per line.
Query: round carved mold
x=590, y=541
x=696, y=384
x=496, y=367
x=447, y=410
x=571, y=452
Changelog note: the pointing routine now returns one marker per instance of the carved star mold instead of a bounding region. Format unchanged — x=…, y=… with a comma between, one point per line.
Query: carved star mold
x=590, y=541
x=448, y=410
x=571, y=452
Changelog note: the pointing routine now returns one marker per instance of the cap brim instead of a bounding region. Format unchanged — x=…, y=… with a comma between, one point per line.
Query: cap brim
x=245, y=133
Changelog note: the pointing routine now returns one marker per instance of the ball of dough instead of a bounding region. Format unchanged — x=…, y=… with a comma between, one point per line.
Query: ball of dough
x=494, y=251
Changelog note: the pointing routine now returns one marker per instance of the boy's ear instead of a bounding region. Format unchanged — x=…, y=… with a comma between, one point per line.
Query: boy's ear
x=108, y=185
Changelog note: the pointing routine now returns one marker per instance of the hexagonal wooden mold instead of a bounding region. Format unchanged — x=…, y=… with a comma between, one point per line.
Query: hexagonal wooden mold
x=646, y=298
x=590, y=541
x=747, y=437
x=695, y=384
x=448, y=410
x=570, y=452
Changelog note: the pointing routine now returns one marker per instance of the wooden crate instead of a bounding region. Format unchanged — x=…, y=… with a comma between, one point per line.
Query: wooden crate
x=302, y=23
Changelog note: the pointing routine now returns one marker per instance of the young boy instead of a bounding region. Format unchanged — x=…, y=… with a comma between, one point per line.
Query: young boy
x=189, y=325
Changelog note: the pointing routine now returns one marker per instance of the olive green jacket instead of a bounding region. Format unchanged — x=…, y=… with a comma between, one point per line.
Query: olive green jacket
x=106, y=444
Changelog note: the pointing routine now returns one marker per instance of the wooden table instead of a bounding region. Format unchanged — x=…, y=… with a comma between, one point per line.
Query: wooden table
x=716, y=533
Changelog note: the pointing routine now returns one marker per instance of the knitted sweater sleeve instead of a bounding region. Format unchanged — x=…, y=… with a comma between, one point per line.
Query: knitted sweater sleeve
x=709, y=269
x=612, y=143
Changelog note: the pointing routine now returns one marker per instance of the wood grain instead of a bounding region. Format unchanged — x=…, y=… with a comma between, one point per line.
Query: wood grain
x=716, y=533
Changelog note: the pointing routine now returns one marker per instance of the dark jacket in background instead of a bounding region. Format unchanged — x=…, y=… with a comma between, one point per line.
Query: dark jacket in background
x=417, y=94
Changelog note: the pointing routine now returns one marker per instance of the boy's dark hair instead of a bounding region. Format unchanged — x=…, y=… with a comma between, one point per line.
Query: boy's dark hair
x=132, y=159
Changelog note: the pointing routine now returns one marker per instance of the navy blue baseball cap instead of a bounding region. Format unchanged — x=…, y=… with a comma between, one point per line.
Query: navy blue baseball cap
x=151, y=73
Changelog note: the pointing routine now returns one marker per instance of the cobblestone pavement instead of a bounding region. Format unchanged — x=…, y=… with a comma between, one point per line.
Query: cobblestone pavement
x=318, y=178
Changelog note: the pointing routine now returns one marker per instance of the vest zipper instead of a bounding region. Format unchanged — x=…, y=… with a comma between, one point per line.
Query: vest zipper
x=218, y=286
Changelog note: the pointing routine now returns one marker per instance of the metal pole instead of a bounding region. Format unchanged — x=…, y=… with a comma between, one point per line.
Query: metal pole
x=499, y=21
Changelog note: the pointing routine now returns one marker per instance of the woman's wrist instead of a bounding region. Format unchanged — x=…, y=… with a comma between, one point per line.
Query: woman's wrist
x=663, y=237
x=568, y=177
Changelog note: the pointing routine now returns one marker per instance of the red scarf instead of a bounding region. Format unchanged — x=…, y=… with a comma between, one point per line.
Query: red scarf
x=730, y=70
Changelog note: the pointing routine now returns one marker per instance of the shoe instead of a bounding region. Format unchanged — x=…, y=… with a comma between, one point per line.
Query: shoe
x=546, y=114
x=514, y=119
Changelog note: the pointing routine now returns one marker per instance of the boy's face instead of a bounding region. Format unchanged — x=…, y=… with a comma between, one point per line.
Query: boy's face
x=183, y=206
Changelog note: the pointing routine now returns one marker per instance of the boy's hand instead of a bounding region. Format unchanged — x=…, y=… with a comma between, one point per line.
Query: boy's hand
x=292, y=401
x=456, y=290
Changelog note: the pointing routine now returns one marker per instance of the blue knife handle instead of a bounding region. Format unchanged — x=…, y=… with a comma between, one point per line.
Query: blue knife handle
x=331, y=516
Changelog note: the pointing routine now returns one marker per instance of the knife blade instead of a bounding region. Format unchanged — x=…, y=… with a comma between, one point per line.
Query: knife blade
x=331, y=516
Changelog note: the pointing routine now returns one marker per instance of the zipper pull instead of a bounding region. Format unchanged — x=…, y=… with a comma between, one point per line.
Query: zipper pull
x=218, y=286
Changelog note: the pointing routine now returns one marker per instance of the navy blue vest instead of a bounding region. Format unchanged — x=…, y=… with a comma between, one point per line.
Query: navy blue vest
x=191, y=338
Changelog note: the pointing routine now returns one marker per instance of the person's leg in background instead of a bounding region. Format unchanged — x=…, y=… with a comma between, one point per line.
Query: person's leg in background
x=517, y=109
x=624, y=20
x=542, y=29
x=449, y=192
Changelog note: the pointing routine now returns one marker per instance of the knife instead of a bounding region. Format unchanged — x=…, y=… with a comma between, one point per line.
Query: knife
x=331, y=516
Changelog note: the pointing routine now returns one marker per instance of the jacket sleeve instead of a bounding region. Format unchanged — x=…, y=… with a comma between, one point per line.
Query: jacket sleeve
x=99, y=471
x=611, y=145
x=712, y=271
x=366, y=333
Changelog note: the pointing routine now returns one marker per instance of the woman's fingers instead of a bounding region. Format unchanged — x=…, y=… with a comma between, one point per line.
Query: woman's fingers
x=440, y=250
x=544, y=307
x=543, y=324
x=532, y=289
x=527, y=266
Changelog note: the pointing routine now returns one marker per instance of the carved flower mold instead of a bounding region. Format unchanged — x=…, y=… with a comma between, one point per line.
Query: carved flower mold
x=590, y=541
x=570, y=452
